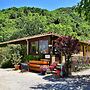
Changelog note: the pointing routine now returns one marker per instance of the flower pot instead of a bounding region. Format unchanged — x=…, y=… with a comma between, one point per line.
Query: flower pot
x=16, y=67
x=43, y=72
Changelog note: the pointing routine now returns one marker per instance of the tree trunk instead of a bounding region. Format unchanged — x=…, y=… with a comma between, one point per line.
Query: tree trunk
x=68, y=66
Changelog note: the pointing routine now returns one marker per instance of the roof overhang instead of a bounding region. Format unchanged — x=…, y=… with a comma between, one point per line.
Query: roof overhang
x=21, y=40
x=24, y=40
x=85, y=43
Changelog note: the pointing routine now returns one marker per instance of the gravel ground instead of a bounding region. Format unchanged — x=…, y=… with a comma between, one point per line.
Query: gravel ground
x=15, y=80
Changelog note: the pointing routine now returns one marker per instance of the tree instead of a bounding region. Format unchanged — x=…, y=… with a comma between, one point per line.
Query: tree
x=84, y=8
x=67, y=46
x=12, y=53
x=27, y=21
x=30, y=25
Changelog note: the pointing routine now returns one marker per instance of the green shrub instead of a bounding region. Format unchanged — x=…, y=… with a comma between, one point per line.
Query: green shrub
x=1, y=55
x=37, y=57
x=16, y=58
x=10, y=55
x=7, y=64
x=28, y=58
x=32, y=57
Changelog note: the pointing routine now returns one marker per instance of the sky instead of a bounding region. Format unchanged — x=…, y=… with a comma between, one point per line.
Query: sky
x=44, y=4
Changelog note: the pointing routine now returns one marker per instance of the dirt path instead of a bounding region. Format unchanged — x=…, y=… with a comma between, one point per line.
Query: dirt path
x=83, y=72
x=14, y=80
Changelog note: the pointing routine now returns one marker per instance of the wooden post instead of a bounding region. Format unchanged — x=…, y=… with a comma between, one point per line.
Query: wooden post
x=50, y=49
x=83, y=49
x=27, y=47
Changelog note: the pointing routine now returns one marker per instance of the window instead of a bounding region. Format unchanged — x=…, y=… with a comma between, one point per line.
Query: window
x=34, y=47
x=43, y=46
x=40, y=46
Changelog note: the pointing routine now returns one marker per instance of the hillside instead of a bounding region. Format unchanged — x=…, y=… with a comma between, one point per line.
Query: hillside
x=27, y=21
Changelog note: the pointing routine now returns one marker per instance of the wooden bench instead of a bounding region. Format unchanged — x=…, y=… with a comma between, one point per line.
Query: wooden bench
x=35, y=65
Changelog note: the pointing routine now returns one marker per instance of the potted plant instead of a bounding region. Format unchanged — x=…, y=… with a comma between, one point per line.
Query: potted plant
x=43, y=69
x=16, y=59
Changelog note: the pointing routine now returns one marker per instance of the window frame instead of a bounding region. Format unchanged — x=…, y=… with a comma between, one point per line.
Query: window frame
x=38, y=46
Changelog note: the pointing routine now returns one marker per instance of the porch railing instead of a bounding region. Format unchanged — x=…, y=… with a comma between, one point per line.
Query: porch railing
x=80, y=62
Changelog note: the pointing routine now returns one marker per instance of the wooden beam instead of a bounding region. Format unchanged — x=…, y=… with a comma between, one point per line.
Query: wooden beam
x=27, y=47
x=83, y=49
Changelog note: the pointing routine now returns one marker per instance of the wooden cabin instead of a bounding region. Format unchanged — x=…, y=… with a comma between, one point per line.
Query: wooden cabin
x=43, y=43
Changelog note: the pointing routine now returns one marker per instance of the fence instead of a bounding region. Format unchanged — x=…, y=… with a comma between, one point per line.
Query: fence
x=80, y=62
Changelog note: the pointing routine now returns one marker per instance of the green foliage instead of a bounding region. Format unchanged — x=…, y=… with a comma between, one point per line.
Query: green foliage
x=26, y=21
x=83, y=9
x=32, y=57
x=28, y=58
x=10, y=55
x=14, y=52
x=16, y=58
x=7, y=64
x=1, y=56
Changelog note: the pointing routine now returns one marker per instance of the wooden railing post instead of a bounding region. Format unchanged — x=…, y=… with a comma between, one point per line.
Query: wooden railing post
x=27, y=47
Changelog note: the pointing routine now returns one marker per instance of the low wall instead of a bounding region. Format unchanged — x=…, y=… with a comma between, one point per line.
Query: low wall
x=80, y=62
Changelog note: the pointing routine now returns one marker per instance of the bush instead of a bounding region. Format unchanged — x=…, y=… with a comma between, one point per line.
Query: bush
x=7, y=64
x=1, y=58
x=10, y=55
x=16, y=58
x=28, y=58
x=32, y=57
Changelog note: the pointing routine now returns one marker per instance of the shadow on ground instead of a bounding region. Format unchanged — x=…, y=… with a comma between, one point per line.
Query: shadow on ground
x=70, y=83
